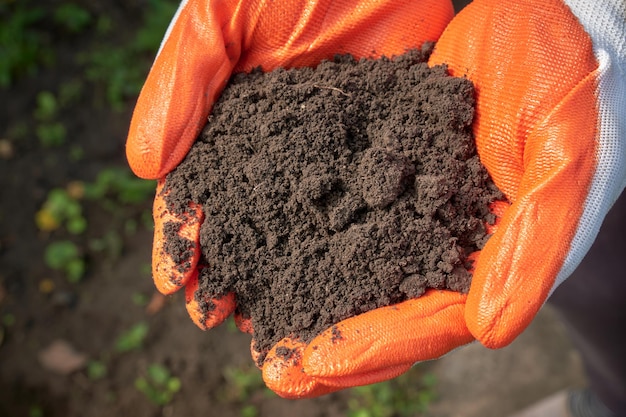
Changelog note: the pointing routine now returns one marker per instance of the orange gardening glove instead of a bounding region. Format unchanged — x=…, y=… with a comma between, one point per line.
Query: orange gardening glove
x=549, y=127
x=208, y=41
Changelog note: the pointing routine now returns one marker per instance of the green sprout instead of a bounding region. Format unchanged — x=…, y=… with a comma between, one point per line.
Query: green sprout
x=65, y=256
x=21, y=44
x=118, y=69
x=243, y=382
x=51, y=133
x=399, y=397
x=72, y=17
x=158, y=385
x=249, y=410
x=116, y=185
x=47, y=106
x=133, y=338
x=61, y=208
x=96, y=370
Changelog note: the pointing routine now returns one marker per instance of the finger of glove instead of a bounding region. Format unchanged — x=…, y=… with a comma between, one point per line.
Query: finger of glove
x=244, y=324
x=536, y=132
x=283, y=374
x=176, y=249
x=206, y=311
x=207, y=41
x=188, y=73
x=383, y=343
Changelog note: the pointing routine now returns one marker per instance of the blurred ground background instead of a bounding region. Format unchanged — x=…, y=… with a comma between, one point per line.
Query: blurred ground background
x=82, y=331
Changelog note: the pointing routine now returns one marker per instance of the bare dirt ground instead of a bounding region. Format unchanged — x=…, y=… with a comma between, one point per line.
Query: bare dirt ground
x=119, y=331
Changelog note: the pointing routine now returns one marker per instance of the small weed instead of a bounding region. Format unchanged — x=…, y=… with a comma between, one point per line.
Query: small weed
x=243, y=382
x=47, y=106
x=122, y=71
x=114, y=189
x=249, y=411
x=72, y=17
x=21, y=45
x=61, y=208
x=155, y=21
x=110, y=245
x=51, y=133
x=96, y=370
x=117, y=70
x=119, y=186
x=158, y=385
x=65, y=256
x=400, y=397
x=133, y=338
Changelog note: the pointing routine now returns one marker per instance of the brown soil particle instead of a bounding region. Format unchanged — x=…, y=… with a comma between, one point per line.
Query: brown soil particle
x=332, y=191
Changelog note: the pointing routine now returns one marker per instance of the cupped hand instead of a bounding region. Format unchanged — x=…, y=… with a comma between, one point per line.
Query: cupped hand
x=205, y=44
x=550, y=93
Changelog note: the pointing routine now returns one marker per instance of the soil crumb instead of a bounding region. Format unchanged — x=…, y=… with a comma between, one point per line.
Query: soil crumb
x=334, y=190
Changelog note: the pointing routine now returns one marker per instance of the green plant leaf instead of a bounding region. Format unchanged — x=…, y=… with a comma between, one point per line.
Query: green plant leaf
x=20, y=42
x=75, y=269
x=51, y=134
x=133, y=338
x=64, y=208
x=121, y=185
x=174, y=385
x=249, y=411
x=155, y=22
x=159, y=386
x=47, y=106
x=159, y=374
x=59, y=254
x=72, y=17
x=76, y=225
x=96, y=370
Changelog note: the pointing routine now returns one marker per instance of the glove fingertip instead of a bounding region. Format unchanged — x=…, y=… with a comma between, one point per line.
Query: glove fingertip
x=244, y=324
x=175, y=250
x=207, y=312
x=503, y=300
x=283, y=372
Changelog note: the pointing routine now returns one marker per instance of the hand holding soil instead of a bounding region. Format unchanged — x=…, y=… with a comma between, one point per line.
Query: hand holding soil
x=536, y=131
x=333, y=191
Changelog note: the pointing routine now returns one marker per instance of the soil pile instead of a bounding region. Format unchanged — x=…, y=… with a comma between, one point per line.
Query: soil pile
x=332, y=191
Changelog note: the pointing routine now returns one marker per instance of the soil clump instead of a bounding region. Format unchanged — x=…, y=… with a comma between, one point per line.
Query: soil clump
x=334, y=190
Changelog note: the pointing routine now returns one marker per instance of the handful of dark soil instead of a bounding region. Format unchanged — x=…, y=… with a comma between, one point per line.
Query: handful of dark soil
x=332, y=191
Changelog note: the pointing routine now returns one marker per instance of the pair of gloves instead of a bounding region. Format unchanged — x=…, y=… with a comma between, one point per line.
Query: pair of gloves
x=550, y=127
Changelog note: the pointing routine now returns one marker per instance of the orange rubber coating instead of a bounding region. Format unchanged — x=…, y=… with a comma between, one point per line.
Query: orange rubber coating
x=168, y=273
x=211, y=40
x=207, y=318
x=536, y=131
